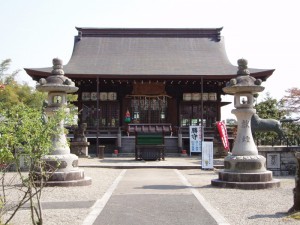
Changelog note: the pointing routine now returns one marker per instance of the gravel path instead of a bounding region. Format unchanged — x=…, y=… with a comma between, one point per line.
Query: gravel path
x=101, y=180
x=239, y=207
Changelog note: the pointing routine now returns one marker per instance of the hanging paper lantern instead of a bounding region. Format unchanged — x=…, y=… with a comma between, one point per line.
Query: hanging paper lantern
x=127, y=117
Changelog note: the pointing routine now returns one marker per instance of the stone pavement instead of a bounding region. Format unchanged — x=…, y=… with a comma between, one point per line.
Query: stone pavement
x=151, y=194
x=193, y=162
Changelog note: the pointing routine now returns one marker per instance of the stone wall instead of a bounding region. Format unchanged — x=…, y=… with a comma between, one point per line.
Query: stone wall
x=280, y=159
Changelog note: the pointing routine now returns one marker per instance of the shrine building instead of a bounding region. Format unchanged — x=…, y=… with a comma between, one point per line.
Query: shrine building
x=166, y=79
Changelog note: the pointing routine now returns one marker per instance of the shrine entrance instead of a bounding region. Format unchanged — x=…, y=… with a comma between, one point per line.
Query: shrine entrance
x=149, y=109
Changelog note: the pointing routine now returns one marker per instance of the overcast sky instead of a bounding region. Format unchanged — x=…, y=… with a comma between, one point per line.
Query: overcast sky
x=265, y=32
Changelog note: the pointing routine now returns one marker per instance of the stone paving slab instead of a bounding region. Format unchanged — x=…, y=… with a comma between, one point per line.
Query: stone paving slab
x=193, y=162
x=65, y=205
x=153, y=196
x=154, y=209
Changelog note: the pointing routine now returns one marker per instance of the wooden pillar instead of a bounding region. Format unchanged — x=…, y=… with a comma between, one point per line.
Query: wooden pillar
x=119, y=139
x=97, y=114
x=179, y=139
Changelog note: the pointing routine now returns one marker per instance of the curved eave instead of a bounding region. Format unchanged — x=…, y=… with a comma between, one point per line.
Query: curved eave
x=36, y=74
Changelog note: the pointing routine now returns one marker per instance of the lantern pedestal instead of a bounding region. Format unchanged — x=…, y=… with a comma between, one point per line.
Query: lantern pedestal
x=80, y=148
x=66, y=171
x=245, y=172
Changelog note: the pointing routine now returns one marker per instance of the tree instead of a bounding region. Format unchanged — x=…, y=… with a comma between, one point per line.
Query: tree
x=291, y=104
x=279, y=110
x=7, y=78
x=269, y=108
x=291, y=101
x=14, y=93
x=25, y=136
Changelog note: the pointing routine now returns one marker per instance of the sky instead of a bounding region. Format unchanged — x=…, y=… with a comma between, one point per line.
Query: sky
x=265, y=32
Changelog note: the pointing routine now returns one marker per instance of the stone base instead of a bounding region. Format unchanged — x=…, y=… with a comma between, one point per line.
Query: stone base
x=258, y=180
x=79, y=148
x=65, y=179
x=245, y=164
x=83, y=182
x=245, y=172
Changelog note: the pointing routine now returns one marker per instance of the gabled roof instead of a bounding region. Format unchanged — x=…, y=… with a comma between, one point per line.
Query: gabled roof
x=155, y=53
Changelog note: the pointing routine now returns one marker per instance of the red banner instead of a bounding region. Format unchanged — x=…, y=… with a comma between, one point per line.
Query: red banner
x=223, y=134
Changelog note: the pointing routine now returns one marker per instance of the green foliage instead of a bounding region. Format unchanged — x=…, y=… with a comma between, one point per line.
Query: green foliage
x=15, y=93
x=295, y=216
x=292, y=132
x=4, y=66
x=7, y=78
x=24, y=133
x=272, y=109
x=24, y=130
x=269, y=108
x=290, y=104
x=27, y=133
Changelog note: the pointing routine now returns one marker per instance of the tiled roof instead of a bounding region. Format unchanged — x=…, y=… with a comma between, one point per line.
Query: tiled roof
x=131, y=53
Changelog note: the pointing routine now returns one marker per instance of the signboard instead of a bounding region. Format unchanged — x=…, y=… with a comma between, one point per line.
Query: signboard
x=195, y=139
x=273, y=160
x=207, y=155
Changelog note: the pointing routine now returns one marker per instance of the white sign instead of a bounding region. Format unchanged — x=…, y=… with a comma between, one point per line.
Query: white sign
x=273, y=160
x=207, y=155
x=195, y=139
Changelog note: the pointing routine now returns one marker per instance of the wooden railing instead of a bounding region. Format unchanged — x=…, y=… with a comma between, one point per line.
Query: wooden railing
x=165, y=128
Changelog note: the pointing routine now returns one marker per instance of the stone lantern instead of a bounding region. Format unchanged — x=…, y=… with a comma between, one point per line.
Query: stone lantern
x=244, y=168
x=67, y=172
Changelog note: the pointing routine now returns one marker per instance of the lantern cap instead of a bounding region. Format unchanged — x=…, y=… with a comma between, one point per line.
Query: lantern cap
x=57, y=81
x=243, y=82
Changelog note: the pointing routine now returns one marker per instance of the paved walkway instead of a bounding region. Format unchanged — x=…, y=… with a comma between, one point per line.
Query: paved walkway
x=158, y=196
x=193, y=162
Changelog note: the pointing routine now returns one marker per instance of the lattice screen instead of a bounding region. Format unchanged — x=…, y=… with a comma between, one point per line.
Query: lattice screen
x=149, y=109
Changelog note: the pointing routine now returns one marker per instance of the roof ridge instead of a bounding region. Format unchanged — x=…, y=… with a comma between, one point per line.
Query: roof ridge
x=149, y=32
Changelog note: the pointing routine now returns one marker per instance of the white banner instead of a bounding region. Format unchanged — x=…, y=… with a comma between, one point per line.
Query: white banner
x=207, y=155
x=195, y=139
